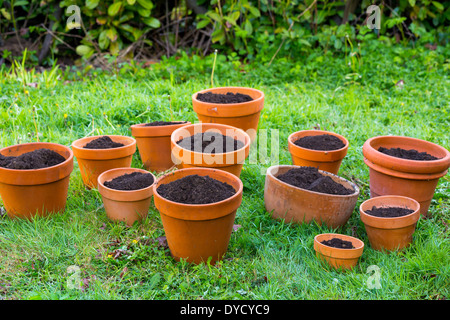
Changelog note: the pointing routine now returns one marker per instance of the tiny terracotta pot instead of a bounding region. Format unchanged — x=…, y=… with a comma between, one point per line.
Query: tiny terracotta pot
x=243, y=115
x=197, y=232
x=229, y=161
x=338, y=258
x=410, y=178
x=125, y=205
x=35, y=192
x=323, y=160
x=93, y=162
x=153, y=143
x=390, y=233
x=293, y=204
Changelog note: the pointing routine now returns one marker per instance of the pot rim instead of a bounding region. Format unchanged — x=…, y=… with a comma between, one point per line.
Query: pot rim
x=141, y=131
x=274, y=178
x=339, y=252
x=390, y=222
x=104, y=154
x=406, y=165
x=124, y=195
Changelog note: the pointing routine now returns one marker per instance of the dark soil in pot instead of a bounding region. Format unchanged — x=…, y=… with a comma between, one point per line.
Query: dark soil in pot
x=338, y=243
x=130, y=181
x=310, y=178
x=207, y=141
x=37, y=159
x=195, y=189
x=389, y=212
x=321, y=142
x=407, y=154
x=103, y=142
x=163, y=123
x=229, y=97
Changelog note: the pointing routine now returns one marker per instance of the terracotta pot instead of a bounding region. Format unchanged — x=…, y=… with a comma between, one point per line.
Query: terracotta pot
x=410, y=178
x=324, y=160
x=293, y=204
x=93, y=162
x=338, y=258
x=196, y=232
x=153, y=143
x=390, y=233
x=26, y=193
x=230, y=161
x=243, y=115
x=125, y=205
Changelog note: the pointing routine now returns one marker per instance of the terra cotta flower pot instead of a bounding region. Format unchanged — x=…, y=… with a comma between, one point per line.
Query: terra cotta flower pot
x=93, y=162
x=244, y=115
x=196, y=232
x=390, y=233
x=298, y=205
x=125, y=205
x=26, y=193
x=231, y=161
x=337, y=257
x=153, y=143
x=410, y=178
x=323, y=160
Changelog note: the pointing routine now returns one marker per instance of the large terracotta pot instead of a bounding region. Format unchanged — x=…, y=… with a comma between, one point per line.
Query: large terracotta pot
x=410, y=178
x=390, y=233
x=230, y=161
x=243, y=115
x=154, y=147
x=323, y=160
x=293, y=204
x=338, y=258
x=125, y=205
x=196, y=232
x=26, y=193
x=93, y=162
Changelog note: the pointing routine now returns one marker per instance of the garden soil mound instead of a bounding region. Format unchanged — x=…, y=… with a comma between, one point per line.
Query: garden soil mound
x=104, y=142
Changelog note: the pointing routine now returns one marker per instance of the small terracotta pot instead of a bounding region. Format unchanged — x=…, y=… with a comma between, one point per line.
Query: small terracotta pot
x=93, y=162
x=390, y=233
x=293, y=204
x=243, y=115
x=153, y=143
x=125, y=205
x=230, y=161
x=196, y=232
x=410, y=178
x=26, y=193
x=338, y=258
x=323, y=160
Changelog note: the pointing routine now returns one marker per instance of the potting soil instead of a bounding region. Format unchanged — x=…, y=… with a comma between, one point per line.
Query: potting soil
x=407, y=154
x=130, y=181
x=389, y=212
x=321, y=142
x=220, y=98
x=103, y=142
x=37, y=159
x=210, y=142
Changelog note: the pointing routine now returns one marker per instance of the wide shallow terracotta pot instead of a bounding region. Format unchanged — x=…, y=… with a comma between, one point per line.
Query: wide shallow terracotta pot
x=93, y=162
x=196, y=232
x=390, y=233
x=26, y=193
x=293, y=204
x=125, y=205
x=229, y=161
x=243, y=115
x=153, y=143
x=338, y=258
x=410, y=178
x=323, y=160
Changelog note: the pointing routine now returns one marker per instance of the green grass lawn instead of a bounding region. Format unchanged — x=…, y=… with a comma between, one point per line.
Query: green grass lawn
x=355, y=96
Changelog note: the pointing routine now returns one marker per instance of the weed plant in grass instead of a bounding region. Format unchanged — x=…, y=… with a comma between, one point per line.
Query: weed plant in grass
x=80, y=254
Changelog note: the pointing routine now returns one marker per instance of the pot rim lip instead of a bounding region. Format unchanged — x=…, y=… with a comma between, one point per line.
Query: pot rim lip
x=292, y=144
x=206, y=205
x=341, y=236
x=212, y=125
x=387, y=219
x=131, y=139
x=261, y=97
x=59, y=165
x=404, y=165
x=354, y=186
x=130, y=171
